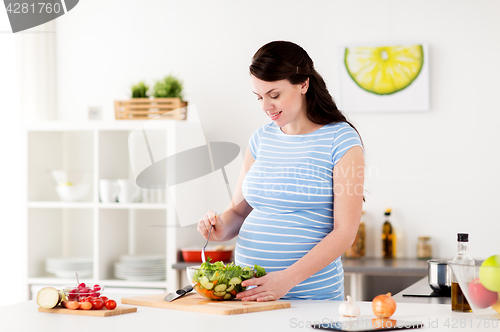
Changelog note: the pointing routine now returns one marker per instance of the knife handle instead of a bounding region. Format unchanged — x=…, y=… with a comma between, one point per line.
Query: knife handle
x=185, y=290
x=188, y=288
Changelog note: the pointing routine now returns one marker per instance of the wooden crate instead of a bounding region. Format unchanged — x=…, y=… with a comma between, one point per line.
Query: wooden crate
x=145, y=108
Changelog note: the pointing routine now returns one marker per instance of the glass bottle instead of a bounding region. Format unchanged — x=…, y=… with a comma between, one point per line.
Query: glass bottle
x=388, y=237
x=357, y=249
x=424, y=247
x=458, y=301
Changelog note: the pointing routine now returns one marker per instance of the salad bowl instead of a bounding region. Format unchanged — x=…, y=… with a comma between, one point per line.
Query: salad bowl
x=221, y=282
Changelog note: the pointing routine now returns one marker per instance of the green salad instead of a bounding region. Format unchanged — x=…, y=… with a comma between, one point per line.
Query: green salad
x=222, y=282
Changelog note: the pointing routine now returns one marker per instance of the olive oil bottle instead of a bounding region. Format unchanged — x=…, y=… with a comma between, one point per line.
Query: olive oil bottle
x=357, y=249
x=458, y=301
x=388, y=237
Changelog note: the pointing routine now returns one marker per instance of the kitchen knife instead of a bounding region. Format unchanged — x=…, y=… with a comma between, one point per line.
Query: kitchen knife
x=178, y=293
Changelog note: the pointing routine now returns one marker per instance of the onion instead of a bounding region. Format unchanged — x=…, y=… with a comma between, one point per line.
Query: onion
x=383, y=306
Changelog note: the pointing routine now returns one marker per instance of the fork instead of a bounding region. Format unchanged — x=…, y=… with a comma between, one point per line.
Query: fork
x=208, y=239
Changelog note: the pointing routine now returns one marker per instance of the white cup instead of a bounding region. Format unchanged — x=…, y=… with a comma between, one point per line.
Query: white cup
x=108, y=191
x=128, y=191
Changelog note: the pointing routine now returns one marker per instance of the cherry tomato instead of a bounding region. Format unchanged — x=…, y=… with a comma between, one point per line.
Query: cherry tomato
x=97, y=304
x=110, y=304
x=104, y=298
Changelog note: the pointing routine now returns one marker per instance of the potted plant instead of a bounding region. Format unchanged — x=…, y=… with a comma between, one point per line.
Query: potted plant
x=166, y=100
x=169, y=87
x=140, y=90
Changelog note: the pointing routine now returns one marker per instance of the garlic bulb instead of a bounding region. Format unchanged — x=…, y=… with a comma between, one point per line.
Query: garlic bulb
x=349, y=309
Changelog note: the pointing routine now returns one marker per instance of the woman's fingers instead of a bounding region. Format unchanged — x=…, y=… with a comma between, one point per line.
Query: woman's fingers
x=212, y=217
x=266, y=298
x=253, y=282
x=206, y=222
x=260, y=297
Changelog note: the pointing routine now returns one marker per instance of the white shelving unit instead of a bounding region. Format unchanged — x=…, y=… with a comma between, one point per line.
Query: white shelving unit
x=91, y=228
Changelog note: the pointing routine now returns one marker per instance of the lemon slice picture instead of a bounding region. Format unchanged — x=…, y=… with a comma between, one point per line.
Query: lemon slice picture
x=384, y=70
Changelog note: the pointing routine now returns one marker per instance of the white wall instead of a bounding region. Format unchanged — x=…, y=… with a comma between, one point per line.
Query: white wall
x=13, y=246
x=435, y=169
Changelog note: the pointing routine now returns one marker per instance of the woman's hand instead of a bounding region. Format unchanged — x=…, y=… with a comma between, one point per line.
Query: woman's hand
x=219, y=228
x=270, y=287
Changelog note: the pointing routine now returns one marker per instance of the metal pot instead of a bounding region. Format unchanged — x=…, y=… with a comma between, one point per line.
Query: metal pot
x=439, y=275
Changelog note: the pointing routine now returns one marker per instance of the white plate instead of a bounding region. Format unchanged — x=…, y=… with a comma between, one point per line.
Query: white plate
x=81, y=274
x=140, y=268
x=71, y=266
x=142, y=273
x=137, y=259
x=141, y=278
x=69, y=260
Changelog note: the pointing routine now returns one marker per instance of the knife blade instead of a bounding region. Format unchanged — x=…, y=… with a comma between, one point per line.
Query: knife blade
x=178, y=293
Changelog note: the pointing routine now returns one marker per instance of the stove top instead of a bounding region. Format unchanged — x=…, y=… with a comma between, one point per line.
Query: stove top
x=432, y=294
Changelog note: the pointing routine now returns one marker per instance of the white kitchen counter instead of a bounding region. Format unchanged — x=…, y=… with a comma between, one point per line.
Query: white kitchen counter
x=437, y=317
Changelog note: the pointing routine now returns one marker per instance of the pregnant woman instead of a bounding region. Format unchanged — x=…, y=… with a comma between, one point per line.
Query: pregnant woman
x=298, y=202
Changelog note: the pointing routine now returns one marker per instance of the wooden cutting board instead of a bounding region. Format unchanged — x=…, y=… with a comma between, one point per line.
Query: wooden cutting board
x=98, y=313
x=197, y=303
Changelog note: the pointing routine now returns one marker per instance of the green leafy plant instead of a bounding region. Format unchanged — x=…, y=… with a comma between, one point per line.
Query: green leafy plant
x=169, y=87
x=140, y=90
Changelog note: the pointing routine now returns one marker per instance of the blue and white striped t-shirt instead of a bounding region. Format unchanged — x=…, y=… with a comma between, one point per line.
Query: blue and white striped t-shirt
x=291, y=192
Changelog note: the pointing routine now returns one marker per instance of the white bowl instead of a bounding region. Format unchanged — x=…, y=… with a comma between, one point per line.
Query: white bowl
x=72, y=192
x=71, y=185
x=190, y=272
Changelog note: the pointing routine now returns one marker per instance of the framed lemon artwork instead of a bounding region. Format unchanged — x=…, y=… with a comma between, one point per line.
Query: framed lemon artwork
x=384, y=78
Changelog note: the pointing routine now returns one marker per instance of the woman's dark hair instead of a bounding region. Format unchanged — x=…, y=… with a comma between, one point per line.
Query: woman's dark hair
x=280, y=60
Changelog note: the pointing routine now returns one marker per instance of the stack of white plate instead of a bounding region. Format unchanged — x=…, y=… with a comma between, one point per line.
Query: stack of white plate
x=141, y=268
x=65, y=267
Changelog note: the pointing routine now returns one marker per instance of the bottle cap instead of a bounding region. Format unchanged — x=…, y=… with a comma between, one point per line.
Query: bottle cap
x=424, y=238
x=387, y=212
x=463, y=237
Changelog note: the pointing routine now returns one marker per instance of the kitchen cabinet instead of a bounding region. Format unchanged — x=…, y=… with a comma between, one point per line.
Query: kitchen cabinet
x=103, y=231
x=368, y=277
